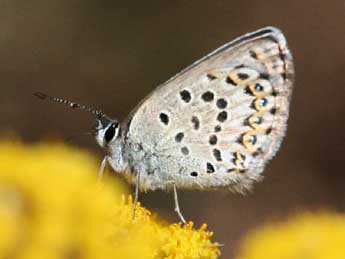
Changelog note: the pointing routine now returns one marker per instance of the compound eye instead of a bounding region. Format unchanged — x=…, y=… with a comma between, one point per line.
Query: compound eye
x=110, y=132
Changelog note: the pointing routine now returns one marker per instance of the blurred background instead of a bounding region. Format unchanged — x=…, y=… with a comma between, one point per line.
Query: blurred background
x=111, y=54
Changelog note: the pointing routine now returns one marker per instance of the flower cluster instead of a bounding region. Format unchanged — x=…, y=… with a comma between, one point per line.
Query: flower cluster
x=51, y=206
x=305, y=236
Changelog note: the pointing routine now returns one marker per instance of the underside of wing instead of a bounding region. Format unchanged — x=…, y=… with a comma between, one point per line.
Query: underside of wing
x=219, y=121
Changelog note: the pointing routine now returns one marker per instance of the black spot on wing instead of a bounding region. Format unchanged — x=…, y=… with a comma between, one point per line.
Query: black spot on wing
x=194, y=174
x=179, y=136
x=164, y=118
x=222, y=116
x=217, y=154
x=211, y=76
x=185, y=151
x=207, y=96
x=209, y=168
x=221, y=103
x=230, y=81
x=213, y=140
x=218, y=128
x=243, y=76
x=273, y=111
x=185, y=96
x=196, y=122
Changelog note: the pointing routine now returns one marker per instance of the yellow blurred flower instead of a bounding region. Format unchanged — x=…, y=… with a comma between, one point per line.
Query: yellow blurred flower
x=306, y=236
x=52, y=207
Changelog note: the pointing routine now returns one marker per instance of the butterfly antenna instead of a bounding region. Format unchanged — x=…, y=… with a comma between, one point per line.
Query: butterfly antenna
x=71, y=104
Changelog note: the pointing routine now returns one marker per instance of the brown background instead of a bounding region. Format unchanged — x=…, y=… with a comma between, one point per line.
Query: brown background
x=111, y=54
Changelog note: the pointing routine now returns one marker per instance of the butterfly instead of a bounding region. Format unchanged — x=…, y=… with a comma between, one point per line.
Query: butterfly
x=213, y=125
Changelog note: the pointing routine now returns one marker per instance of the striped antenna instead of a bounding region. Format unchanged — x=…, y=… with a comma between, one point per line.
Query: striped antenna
x=71, y=104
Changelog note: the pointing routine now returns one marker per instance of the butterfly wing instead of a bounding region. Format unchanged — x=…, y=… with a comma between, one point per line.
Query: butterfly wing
x=217, y=122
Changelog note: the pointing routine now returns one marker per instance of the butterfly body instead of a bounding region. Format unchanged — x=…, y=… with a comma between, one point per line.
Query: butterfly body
x=215, y=124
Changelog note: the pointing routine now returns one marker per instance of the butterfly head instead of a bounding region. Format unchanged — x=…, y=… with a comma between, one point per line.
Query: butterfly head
x=106, y=131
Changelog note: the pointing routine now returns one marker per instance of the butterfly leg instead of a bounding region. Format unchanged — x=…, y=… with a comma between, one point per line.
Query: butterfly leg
x=136, y=195
x=102, y=169
x=177, y=207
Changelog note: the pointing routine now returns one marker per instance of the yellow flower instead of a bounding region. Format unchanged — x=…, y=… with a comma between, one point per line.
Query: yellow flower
x=51, y=206
x=306, y=236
